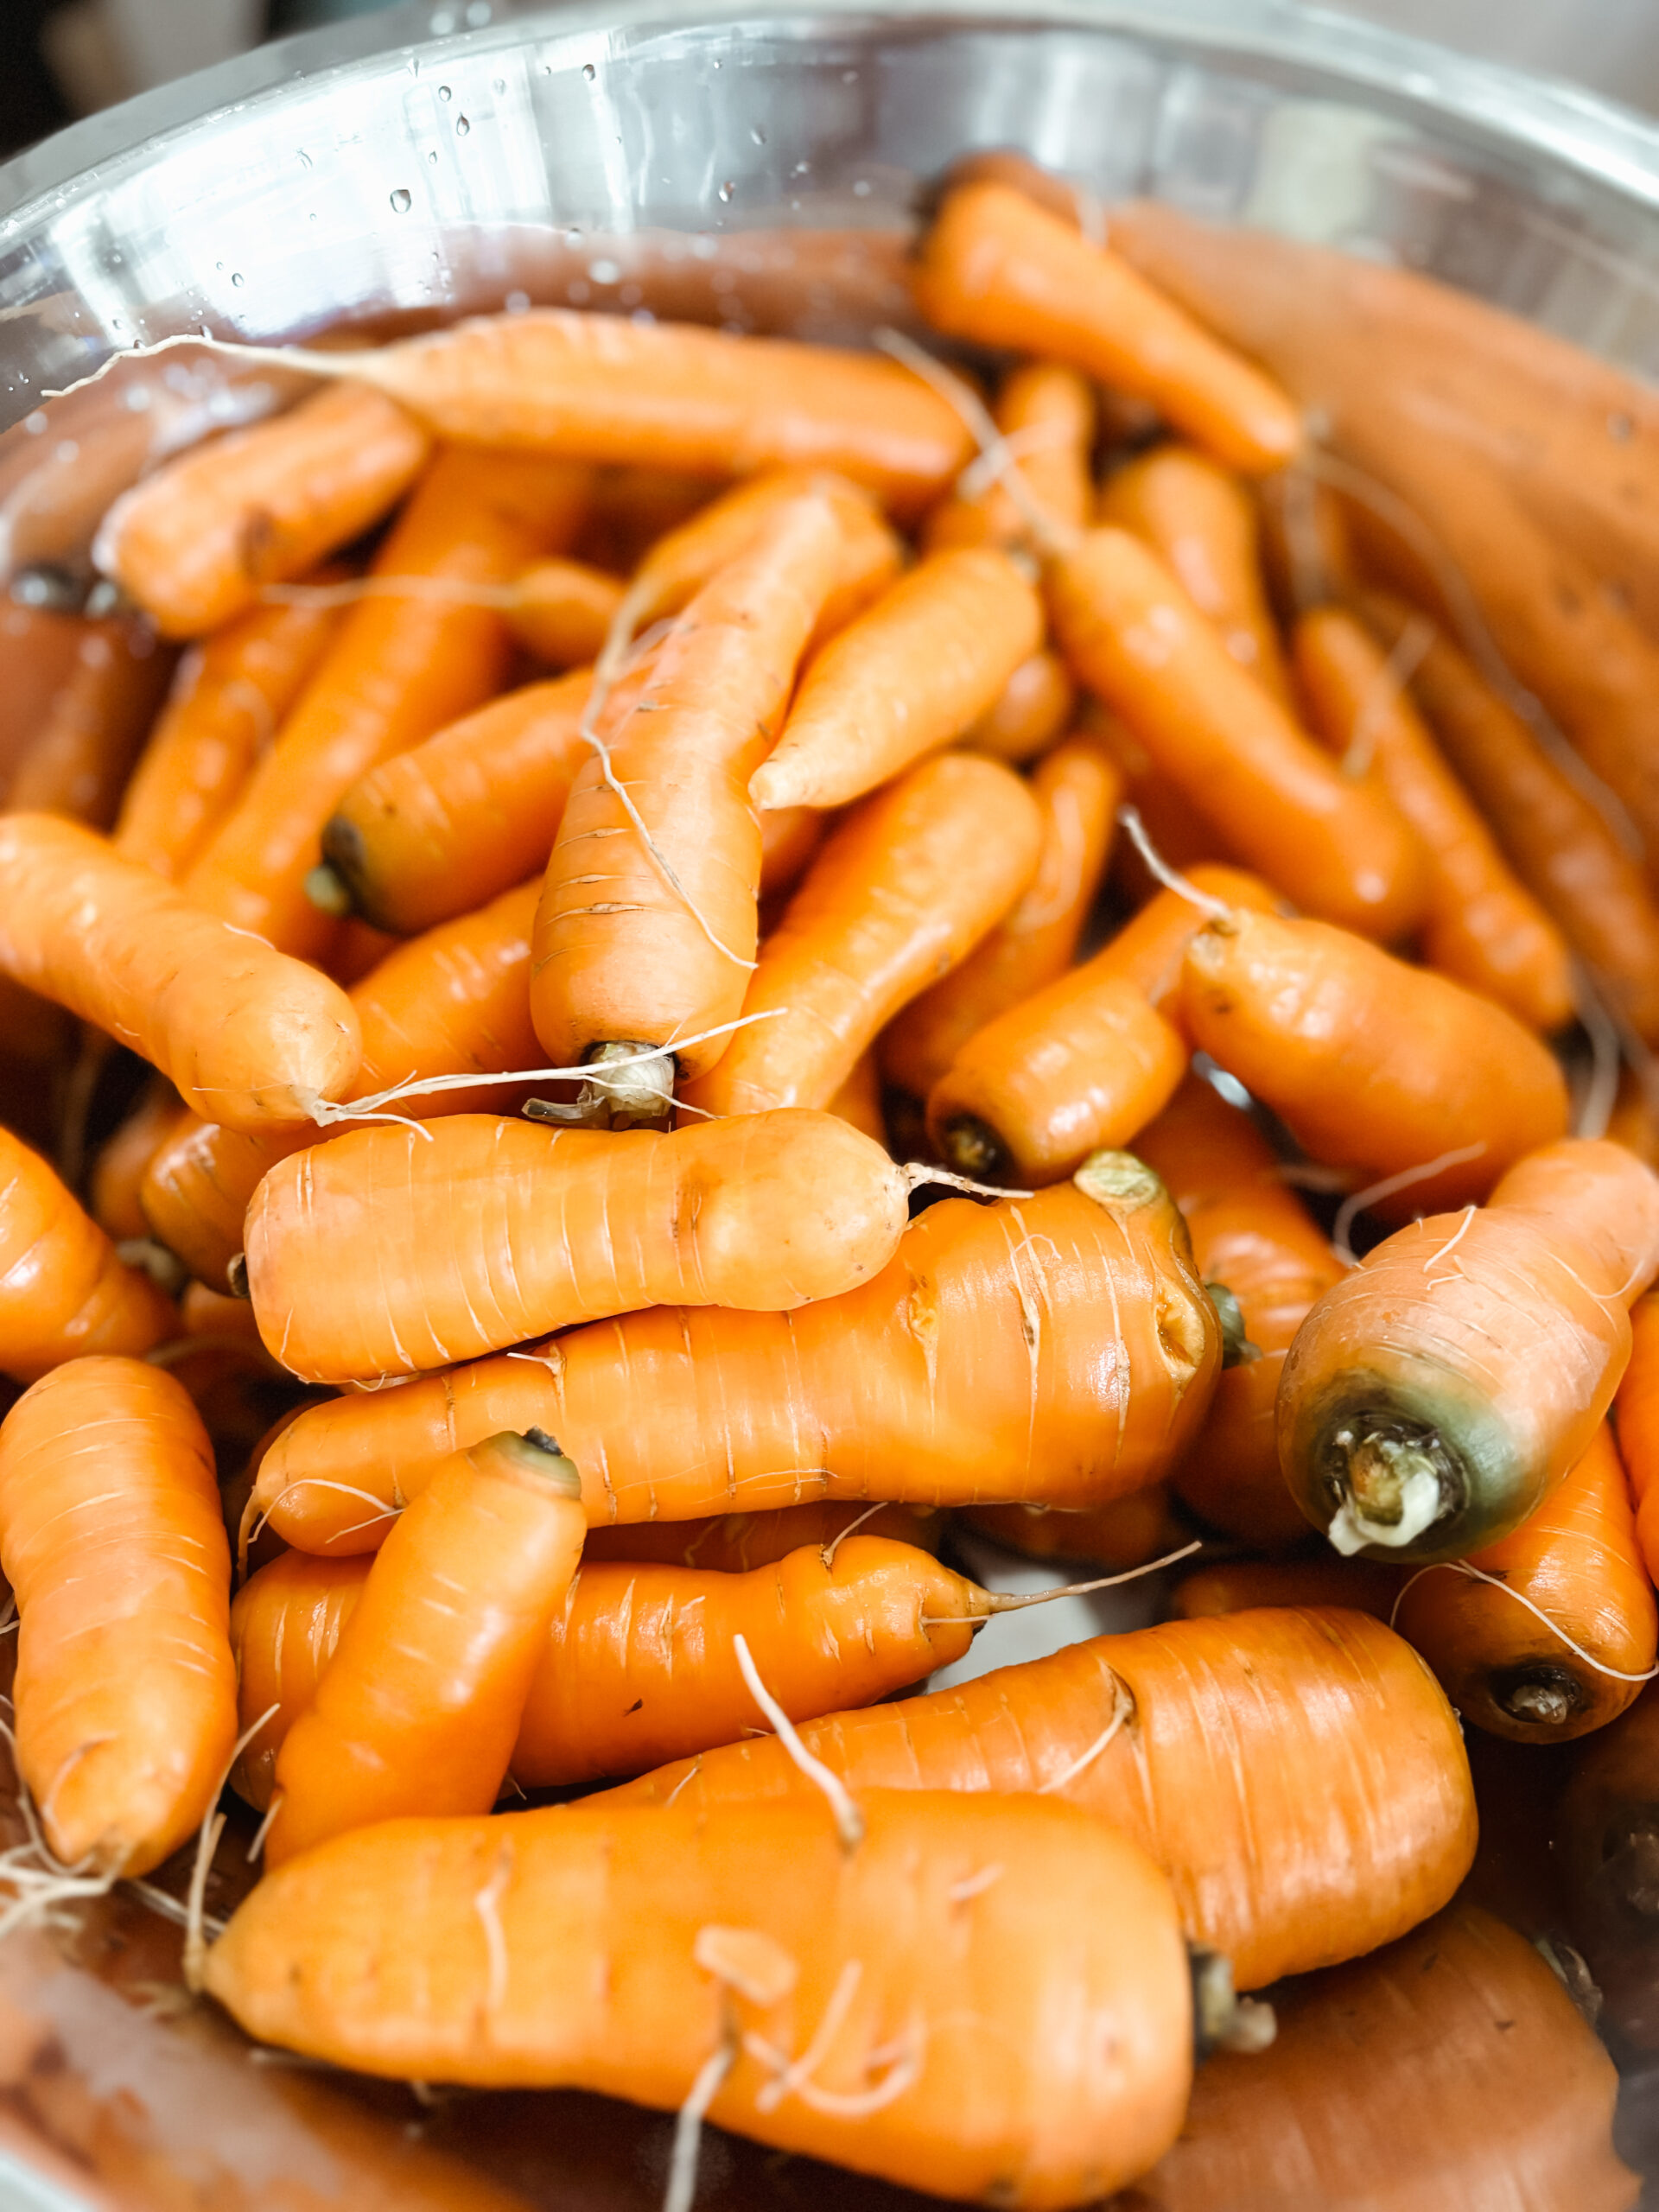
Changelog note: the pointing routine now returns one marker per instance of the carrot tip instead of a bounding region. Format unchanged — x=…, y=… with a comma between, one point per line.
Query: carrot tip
x=236, y=1276
x=1392, y=1486
x=973, y=1148
x=1119, y=1181
x=1222, y=2020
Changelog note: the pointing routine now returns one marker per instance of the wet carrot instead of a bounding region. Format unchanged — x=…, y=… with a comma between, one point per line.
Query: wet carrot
x=1034, y=707
x=118, y=1167
x=561, y=611
x=735, y=1543
x=195, y=543
x=1244, y=1585
x=63, y=1292
x=859, y=1099
x=1077, y=790
x=1047, y=413
x=81, y=753
x=1127, y=1533
x=112, y=1540
x=904, y=890
x=1429, y=1408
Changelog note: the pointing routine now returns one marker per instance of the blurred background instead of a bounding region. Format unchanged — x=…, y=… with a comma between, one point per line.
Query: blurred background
x=59, y=59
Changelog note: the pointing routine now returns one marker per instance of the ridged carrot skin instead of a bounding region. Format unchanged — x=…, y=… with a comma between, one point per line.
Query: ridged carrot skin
x=390, y=1250
x=1245, y=1586
x=193, y=543
x=1047, y=411
x=1057, y=1349
x=63, y=1293
x=1034, y=707
x=1213, y=1771
x=112, y=1540
x=1451, y=1400
x=896, y=1978
x=245, y=1035
x=80, y=752
x=735, y=1543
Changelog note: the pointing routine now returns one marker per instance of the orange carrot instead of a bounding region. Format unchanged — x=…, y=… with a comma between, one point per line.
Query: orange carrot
x=1178, y=832
x=1333, y=843
x=1245, y=1586
x=118, y=1169
x=244, y=1033
x=859, y=1099
x=63, y=1292
x=1636, y=1416
x=209, y=1314
x=112, y=1540
x=790, y=836
x=1127, y=1533
x=193, y=543
x=417, y=1709
x=1047, y=414
x=1000, y=271
x=561, y=611
x=904, y=890
x=80, y=754
x=1034, y=707
x=735, y=1543
x=1428, y=1410
x=1076, y=789
x=634, y=508
x=400, y=669
x=915, y=670
x=39, y=650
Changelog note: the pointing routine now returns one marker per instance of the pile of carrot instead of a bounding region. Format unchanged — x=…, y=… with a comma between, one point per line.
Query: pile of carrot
x=992, y=983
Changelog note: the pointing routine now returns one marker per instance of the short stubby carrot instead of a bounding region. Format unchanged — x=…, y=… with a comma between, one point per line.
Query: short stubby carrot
x=245, y=1035
x=1333, y=843
x=1076, y=788
x=1216, y=1745
x=1046, y=411
x=1127, y=1533
x=112, y=1540
x=452, y=1001
x=912, y=673
x=1428, y=1408
x=1576, y=1653
x=1000, y=271
x=1374, y=1064
x=561, y=611
x=734, y=1543
x=857, y=2003
x=390, y=1250
x=1058, y=1349
x=649, y=918
x=63, y=1292
x=435, y=831
x=195, y=543
x=1035, y=707
x=1482, y=927
x=399, y=668
x=903, y=891
x=1244, y=1585
x=80, y=751
x=1087, y=1060
x=417, y=1708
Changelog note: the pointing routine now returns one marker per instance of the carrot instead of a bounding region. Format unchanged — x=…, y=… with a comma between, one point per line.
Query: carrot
x=648, y=921
x=1428, y=1408
x=1636, y=1407
x=561, y=611
x=790, y=836
x=859, y=1099
x=903, y=891
x=228, y=698
x=1374, y=1064
x=963, y=620
x=1201, y=519
x=39, y=651
x=1482, y=928
x=1308, y=549
x=1087, y=1060
x=118, y=1169
x=1557, y=839
x=244, y=1033
x=1034, y=707
x=478, y=1233
x=1220, y=1768
x=1076, y=789
x=453, y=1000
x=634, y=508
x=1335, y=844
x=62, y=1290
x=998, y=269
x=735, y=1543
x=193, y=543
x=799, y=1992
x=1559, y=1636
x=205, y=1313
x=1057, y=1349
x=1244, y=1585
x=80, y=752
x=400, y=669
x=1250, y=1232
x=112, y=1540
x=1606, y=1845
x=1047, y=413
x=416, y=1710
x=1127, y=1533
x=435, y=831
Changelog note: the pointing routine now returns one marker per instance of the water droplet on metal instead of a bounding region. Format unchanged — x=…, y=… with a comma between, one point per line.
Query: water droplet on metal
x=589, y=70
x=305, y=159
x=478, y=14
x=432, y=154
x=237, y=279
x=861, y=189
x=461, y=126
x=444, y=92
x=729, y=190
x=757, y=134
x=402, y=201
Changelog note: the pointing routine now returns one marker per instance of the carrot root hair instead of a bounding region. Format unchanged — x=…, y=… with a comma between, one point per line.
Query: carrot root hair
x=1356, y=1203
x=212, y=1826
x=1216, y=910
x=849, y=1822
x=1533, y=1711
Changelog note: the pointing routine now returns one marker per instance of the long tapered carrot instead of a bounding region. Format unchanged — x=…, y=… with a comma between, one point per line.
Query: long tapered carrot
x=1251, y=1232
x=453, y=1000
x=561, y=611
x=246, y=1034
x=906, y=886
x=1574, y=1655
x=1427, y=1408
x=1047, y=413
x=915, y=670
x=1127, y=1533
x=417, y=1708
x=112, y=1540
x=648, y=920
x=735, y=1543
x=478, y=1233
x=1482, y=928
x=80, y=752
x=400, y=669
x=1374, y=1064
x=195, y=543
x=1335, y=844
x=1057, y=1349
x=1078, y=789
x=118, y=1167
x=1203, y=521
x=1220, y=1767
x=1035, y=705
x=1245, y=1586
x=1000, y=271
x=63, y=1292
x=1087, y=1060
x=228, y=699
